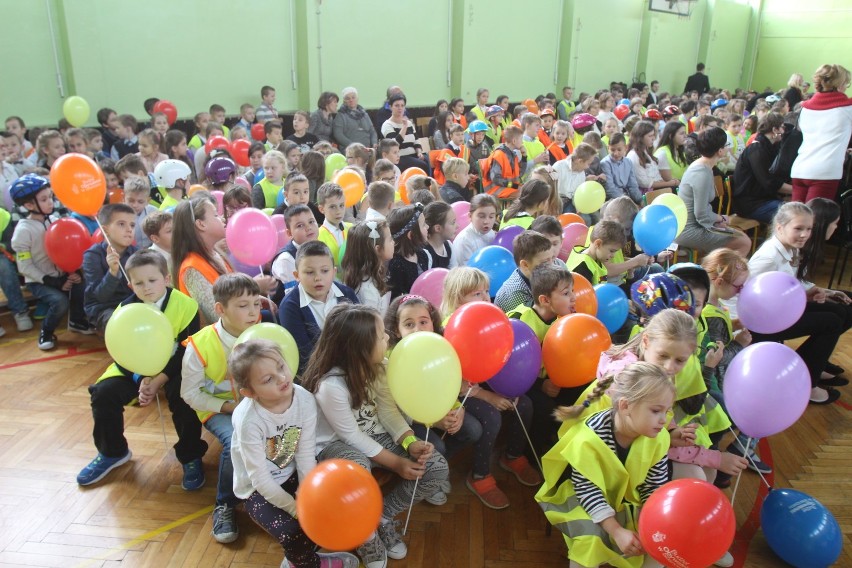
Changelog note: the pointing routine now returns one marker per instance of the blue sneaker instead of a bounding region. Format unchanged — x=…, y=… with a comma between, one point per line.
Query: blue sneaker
x=99, y=467
x=41, y=310
x=193, y=475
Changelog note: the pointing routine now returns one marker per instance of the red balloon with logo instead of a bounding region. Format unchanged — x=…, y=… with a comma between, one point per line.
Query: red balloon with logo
x=65, y=242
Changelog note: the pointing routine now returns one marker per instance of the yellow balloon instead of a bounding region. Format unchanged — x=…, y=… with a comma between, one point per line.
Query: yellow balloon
x=76, y=111
x=424, y=375
x=140, y=339
x=278, y=335
x=589, y=197
x=269, y=211
x=678, y=207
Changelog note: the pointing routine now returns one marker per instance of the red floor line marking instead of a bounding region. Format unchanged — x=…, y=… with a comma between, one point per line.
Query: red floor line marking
x=72, y=352
x=746, y=533
x=842, y=404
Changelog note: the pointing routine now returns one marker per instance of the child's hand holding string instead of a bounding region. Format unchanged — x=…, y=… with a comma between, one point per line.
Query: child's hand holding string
x=421, y=451
x=148, y=388
x=113, y=261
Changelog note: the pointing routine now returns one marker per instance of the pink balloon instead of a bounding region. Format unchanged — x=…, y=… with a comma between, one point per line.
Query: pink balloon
x=573, y=234
x=281, y=228
x=771, y=302
x=430, y=285
x=243, y=182
x=219, y=196
x=462, y=210
x=251, y=236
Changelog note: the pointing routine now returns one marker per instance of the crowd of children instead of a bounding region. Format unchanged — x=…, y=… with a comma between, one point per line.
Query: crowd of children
x=342, y=287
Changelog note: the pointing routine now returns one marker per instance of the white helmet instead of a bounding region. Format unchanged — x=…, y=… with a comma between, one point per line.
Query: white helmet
x=168, y=172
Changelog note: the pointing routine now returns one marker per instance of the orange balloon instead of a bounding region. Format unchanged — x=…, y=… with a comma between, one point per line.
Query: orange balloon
x=572, y=348
x=586, y=302
x=352, y=184
x=339, y=504
x=567, y=218
x=407, y=175
x=531, y=105
x=195, y=187
x=116, y=196
x=79, y=183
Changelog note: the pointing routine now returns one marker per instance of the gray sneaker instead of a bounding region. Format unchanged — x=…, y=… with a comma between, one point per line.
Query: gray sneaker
x=23, y=321
x=396, y=549
x=224, y=525
x=372, y=553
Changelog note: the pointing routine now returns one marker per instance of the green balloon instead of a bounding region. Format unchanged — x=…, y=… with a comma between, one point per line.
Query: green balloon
x=278, y=335
x=678, y=207
x=76, y=111
x=589, y=197
x=140, y=339
x=334, y=162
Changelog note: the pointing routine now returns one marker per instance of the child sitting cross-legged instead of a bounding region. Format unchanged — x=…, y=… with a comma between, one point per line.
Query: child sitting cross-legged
x=531, y=249
x=607, y=239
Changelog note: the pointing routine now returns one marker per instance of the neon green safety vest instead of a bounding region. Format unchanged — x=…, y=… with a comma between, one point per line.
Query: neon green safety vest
x=582, y=450
x=617, y=258
x=522, y=219
x=478, y=113
x=212, y=354
x=168, y=201
x=677, y=168
x=530, y=317
x=270, y=192
x=337, y=250
x=568, y=106
x=534, y=148
x=578, y=256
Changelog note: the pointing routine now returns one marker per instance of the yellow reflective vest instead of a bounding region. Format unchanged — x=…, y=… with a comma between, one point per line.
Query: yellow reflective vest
x=209, y=348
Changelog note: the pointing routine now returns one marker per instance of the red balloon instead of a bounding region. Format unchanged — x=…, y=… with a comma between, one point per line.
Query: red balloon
x=573, y=235
x=585, y=299
x=240, y=152
x=65, y=242
x=572, y=348
x=258, y=133
x=97, y=237
x=217, y=142
x=687, y=522
x=483, y=339
x=167, y=108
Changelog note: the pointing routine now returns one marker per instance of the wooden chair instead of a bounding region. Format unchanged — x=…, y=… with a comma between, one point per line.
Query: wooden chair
x=422, y=124
x=744, y=224
x=649, y=197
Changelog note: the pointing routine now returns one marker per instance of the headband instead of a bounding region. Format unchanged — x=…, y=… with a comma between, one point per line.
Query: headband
x=409, y=297
x=418, y=209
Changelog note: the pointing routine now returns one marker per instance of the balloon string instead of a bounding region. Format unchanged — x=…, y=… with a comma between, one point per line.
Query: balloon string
x=414, y=493
x=524, y=428
x=261, y=269
x=747, y=453
x=467, y=394
x=106, y=238
x=162, y=422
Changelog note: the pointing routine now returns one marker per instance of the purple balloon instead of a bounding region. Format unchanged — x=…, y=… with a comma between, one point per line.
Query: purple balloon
x=771, y=302
x=506, y=236
x=250, y=270
x=767, y=387
x=524, y=364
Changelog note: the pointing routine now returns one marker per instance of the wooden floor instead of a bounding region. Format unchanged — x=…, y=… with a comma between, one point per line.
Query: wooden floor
x=139, y=515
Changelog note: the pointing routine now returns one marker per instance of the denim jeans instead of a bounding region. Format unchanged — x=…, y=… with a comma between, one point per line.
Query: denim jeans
x=469, y=433
x=765, y=211
x=58, y=304
x=220, y=425
x=11, y=286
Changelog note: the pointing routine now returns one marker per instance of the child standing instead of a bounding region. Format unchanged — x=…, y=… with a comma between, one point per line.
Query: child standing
x=43, y=278
x=149, y=149
x=480, y=232
x=301, y=228
x=530, y=203
x=127, y=142
x=409, y=231
x=117, y=387
x=581, y=483
x=201, y=120
x=266, y=110
x=360, y=421
x=441, y=230
x=333, y=231
x=209, y=391
x=606, y=240
x=137, y=190
x=301, y=137
x=274, y=407
x=368, y=250
x=247, y=115
x=530, y=250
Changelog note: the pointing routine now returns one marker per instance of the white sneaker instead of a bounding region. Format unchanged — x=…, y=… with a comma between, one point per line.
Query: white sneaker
x=285, y=563
x=437, y=499
x=725, y=562
x=23, y=321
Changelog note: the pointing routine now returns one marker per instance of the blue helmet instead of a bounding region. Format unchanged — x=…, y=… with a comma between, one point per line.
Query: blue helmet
x=624, y=102
x=477, y=126
x=718, y=103
x=26, y=187
x=662, y=291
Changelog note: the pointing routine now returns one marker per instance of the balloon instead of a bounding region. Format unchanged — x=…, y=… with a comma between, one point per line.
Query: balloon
x=259, y=175
x=767, y=387
x=140, y=339
x=424, y=376
x=195, y=187
x=97, y=237
x=430, y=285
x=334, y=162
x=687, y=522
x=771, y=302
x=572, y=348
x=506, y=237
x=404, y=177
x=219, y=196
x=531, y=105
x=268, y=211
x=567, y=218
x=462, y=210
x=482, y=336
x=678, y=207
x=352, y=184
x=613, y=306
x=800, y=529
x=167, y=108
x=585, y=300
x=9, y=203
x=258, y=134
x=79, y=183
x=240, y=152
x=573, y=235
x=339, y=504
x=279, y=336
x=497, y=263
x=589, y=197
x=215, y=142
x=65, y=241
x=76, y=111
x=521, y=370
x=243, y=182
x=281, y=228
x=654, y=228
x=251, y=236
x=116, y=196
x=247, y=269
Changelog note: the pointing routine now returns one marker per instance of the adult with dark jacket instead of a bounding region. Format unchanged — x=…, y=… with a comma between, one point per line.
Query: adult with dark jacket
x=794, y=94
x=756, y=190
x=698, y=82
x=352, y=123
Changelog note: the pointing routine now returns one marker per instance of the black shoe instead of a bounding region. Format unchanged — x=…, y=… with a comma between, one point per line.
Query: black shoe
x=834, y=382
x=833, y=369
x=46, y=341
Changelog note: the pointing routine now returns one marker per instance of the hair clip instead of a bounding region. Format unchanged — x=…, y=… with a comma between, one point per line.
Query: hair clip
x=374, y=234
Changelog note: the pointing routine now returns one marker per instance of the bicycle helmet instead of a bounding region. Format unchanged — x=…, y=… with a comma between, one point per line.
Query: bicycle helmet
x=772, y=99
x=670, y=111
x=477, y=126
x=168, y=172
x=662, y=291
x=624, y=102
x=621, y=112
x=583, y=120
x=26, y=187
x=219, y=169
x=719, y=103
x=493, y=110
x=653, y=114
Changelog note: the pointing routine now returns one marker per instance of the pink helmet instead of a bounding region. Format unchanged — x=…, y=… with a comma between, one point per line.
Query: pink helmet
x=621, y=112
x=583, y=120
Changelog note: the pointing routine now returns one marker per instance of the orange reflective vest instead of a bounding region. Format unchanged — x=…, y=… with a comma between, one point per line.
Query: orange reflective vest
x=544, y=137
x=510, y=167
x=438, y=157
x=557, y=152
x=196, y=261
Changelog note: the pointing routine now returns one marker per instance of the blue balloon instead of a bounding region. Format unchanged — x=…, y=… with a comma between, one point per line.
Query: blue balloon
x=654, y=229
x=497, y=262
x=259, y=176
x=800, y=529
x=524, y=364
x=280, y=199
x=613, y=306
